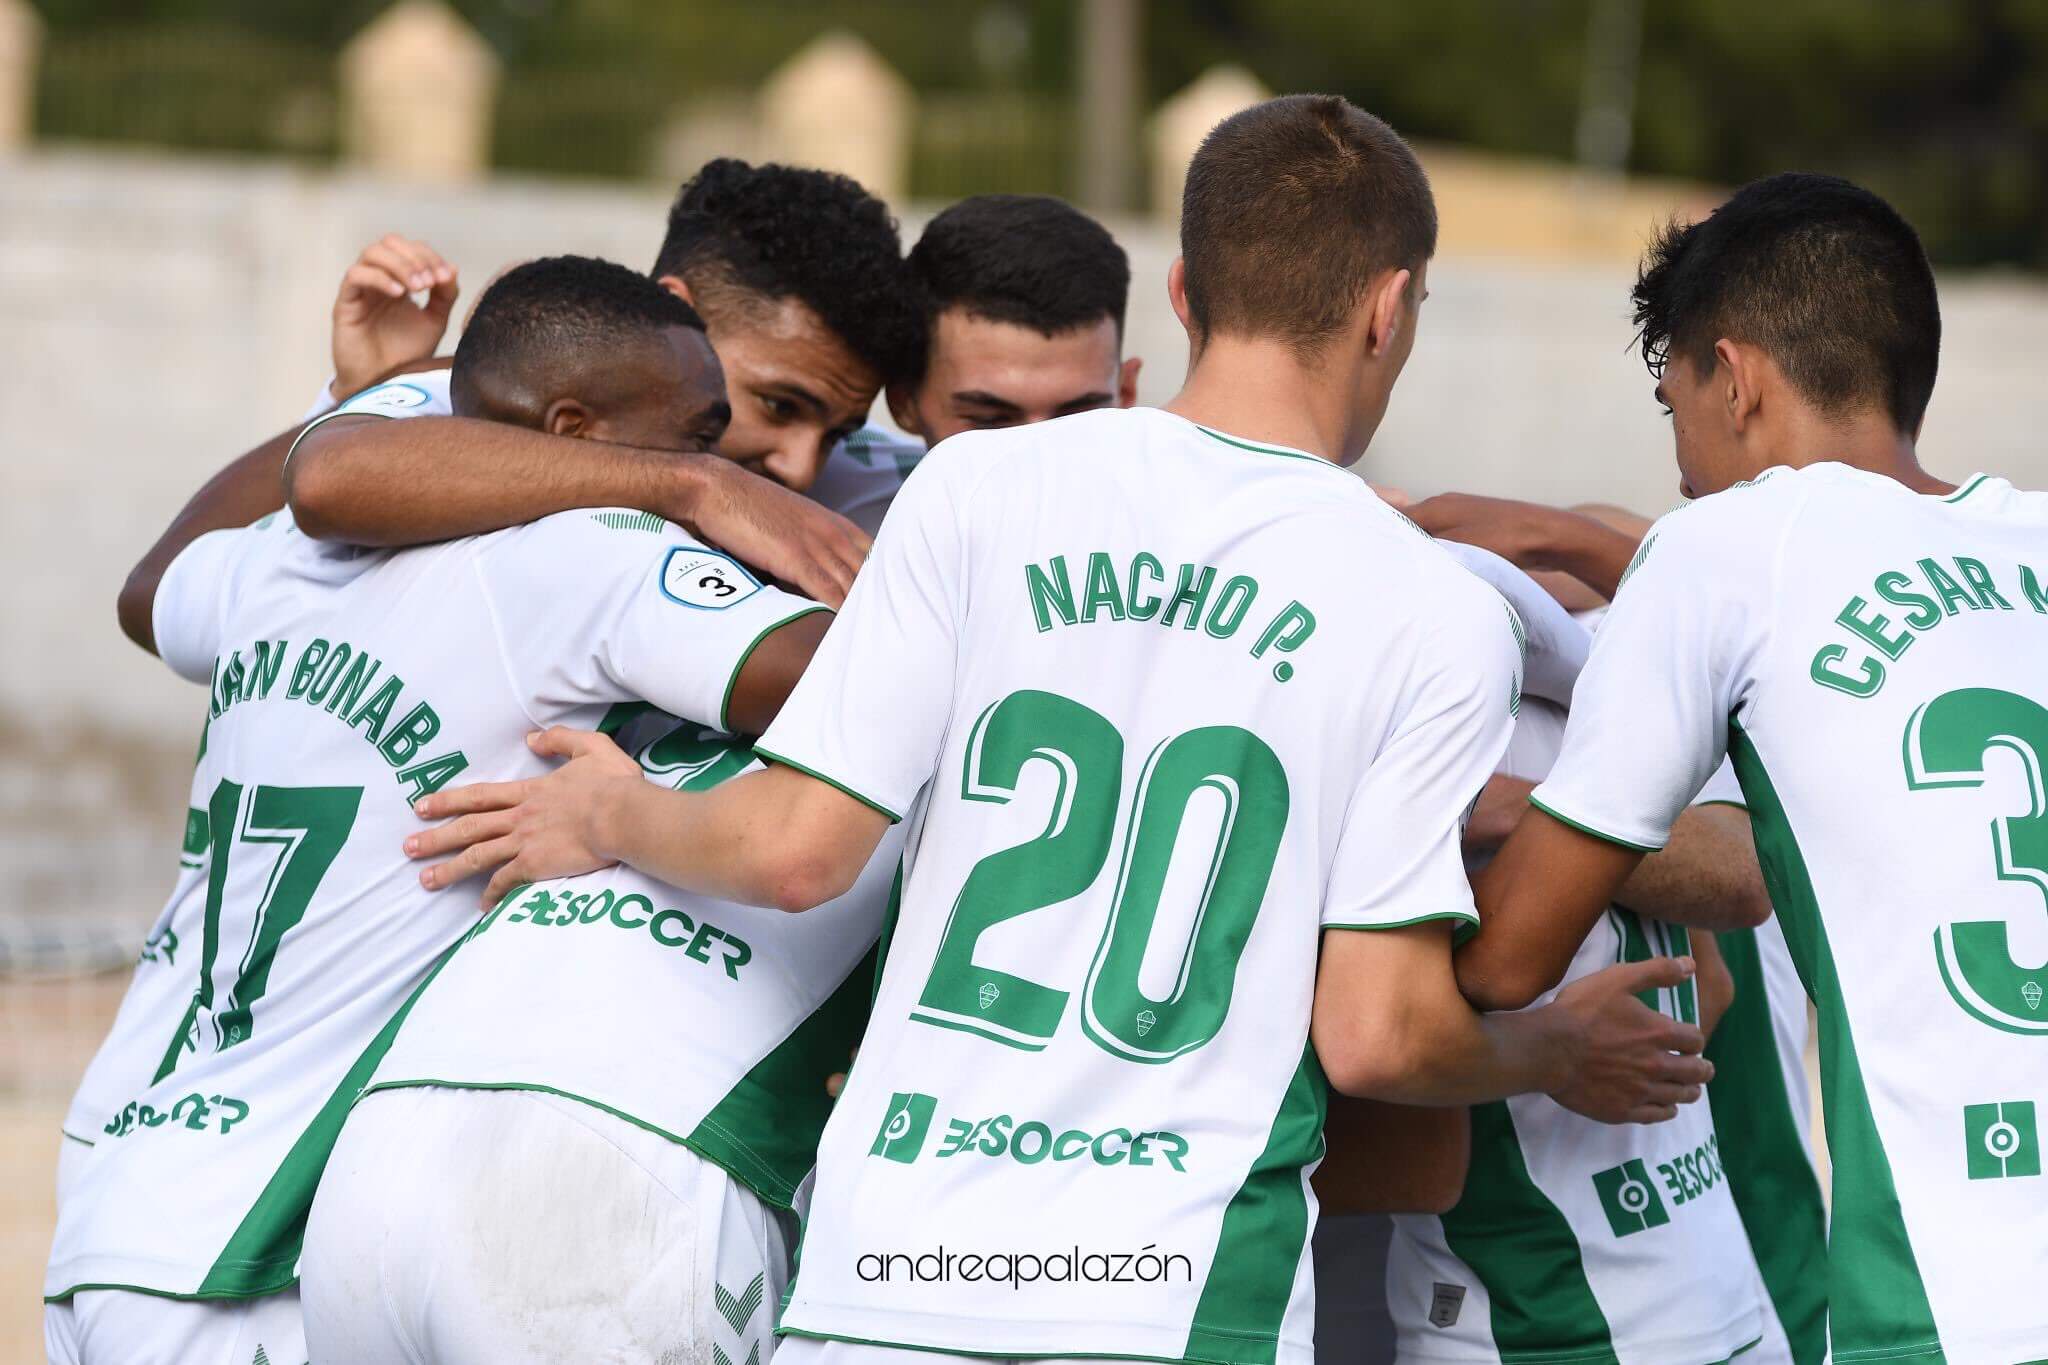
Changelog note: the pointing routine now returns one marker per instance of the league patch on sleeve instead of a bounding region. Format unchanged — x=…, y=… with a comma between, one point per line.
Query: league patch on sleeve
x=705, y=579
x=392, y=397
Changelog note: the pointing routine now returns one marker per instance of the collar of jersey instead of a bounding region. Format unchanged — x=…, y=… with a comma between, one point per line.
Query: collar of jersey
x=1241, y=444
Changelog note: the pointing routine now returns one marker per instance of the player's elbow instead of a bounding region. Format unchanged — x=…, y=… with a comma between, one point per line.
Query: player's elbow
x=1748, y=905
x=804, y=879
x=1371, y=1058
x=1489, y=987
x=135, y=607
x=314, y=489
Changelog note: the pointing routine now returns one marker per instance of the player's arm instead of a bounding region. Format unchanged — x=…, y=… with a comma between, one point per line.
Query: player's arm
x=1648, y=729
x=378, y=329
x=373, y=482
x=1392, y=1158
x=1390, y=1023
x=1532, y=536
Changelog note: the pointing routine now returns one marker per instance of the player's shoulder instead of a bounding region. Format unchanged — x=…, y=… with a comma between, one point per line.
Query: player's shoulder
x=1724, y=534
x=419, y=393
x=879, y=449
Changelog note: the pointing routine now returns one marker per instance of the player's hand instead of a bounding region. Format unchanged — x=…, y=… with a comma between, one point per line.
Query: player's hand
x=836, y=1082
x=784, y=534
x=377, y=324
x=524, y=831
x=1635, y=1065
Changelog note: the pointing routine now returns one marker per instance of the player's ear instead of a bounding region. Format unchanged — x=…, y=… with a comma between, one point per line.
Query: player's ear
x=567, y=417
x=1177, y=293
x=903, y=407
x=1738, y=381
x=1389, y=304
x=676, y=285
x=1127, y=382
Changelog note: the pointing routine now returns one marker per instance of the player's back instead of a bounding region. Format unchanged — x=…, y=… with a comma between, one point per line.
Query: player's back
x=1183, y=677
x=1881, y=661
x=344, y=685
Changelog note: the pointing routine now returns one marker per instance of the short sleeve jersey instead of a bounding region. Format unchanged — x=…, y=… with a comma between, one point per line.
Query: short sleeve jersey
x=343, y=685
x=1160, y=705
x=1873, y=659
x=1571, y=1233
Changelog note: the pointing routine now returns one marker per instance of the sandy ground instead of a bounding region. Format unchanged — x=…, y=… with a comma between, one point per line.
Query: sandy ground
x=48, y=1030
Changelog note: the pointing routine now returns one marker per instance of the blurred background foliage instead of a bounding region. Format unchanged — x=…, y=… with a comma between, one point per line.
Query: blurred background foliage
x=1940, y=104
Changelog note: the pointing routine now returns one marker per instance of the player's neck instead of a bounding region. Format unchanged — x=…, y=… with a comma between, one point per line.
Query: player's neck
x=1257, y=389
x=1871, y=444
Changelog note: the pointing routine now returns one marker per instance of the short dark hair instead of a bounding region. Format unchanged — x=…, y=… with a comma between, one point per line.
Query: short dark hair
x=785, y=232
x=1027, y=259
x=549, y=318
x=1292, y=207
x=1822, y=275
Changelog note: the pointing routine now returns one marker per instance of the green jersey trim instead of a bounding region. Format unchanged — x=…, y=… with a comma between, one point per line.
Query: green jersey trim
x=1463, y=917
x=740, y=665
x=1877, y=1306
x=61, y=1295
x=70, y=1136
x=872, y=805
x=1522, y=1248
x=262, y=1255
x=1588, y=829
x=1770, y=1177
x=1263, y=449
x=1265, y=1233
x=1969, y=486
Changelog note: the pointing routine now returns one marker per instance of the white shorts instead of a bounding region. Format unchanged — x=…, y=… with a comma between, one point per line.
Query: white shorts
x=499, y=1226
x=123, y=1327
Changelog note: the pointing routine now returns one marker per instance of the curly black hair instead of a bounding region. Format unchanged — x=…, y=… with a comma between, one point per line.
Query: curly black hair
x=1824, y=276
x=1027, y=259
x=787, y=232
x=537, y=318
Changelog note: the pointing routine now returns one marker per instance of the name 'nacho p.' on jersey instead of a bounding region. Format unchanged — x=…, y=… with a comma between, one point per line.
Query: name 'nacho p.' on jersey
x=1876, y=663
x=1571, y=1233
x=344, y=684
x=1160, y=706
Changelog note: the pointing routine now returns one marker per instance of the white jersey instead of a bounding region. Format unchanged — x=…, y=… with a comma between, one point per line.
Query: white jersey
x=1161, y=705
x=737, y=1014
x=345, y=684
x=1875, y=661
x=1571, y=1233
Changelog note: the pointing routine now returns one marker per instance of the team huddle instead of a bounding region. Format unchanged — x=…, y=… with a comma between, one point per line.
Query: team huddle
x=996, y=929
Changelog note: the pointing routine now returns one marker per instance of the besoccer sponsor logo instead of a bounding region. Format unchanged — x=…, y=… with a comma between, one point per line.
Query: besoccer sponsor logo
x=909, y=1118
x=901, y=1137
x=2001, y=1140
x=1629, y=1200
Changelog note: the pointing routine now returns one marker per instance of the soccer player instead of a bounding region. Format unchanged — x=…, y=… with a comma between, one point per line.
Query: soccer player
x=1018, y=304
x=1760, y=1090
x=1024, y=298
x=1185, y=643
x=1868, y=643
x=1568, y=1232
x=344, y=685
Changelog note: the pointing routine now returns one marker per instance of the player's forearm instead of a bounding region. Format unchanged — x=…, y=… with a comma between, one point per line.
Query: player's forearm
x=249, y=488
x=753, y=840
x=1463, y=1058
x=375, y=481
x=1571, y=543
x=1537, y=899
x=1707, y=877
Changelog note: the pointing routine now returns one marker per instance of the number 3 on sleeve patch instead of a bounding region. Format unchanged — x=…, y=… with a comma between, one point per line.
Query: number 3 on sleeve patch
x=705, y=579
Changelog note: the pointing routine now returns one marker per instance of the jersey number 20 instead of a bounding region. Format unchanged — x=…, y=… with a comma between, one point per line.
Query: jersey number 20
x=1245, y=781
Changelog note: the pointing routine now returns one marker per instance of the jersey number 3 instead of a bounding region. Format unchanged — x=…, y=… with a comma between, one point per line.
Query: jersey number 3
x=1947, y=743
x=1243, y=785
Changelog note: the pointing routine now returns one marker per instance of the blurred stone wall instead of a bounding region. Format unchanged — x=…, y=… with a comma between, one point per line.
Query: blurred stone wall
x=160, y=315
